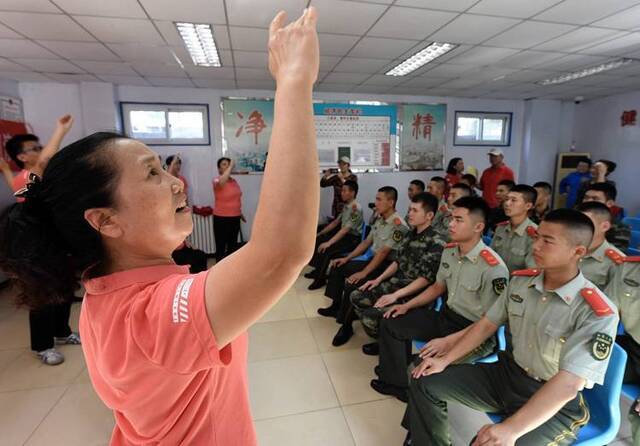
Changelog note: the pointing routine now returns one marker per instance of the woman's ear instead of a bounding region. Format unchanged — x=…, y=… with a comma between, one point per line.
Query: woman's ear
x=101, y=219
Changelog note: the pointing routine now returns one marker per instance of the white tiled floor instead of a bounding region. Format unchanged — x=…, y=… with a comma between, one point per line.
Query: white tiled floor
x=303, y=390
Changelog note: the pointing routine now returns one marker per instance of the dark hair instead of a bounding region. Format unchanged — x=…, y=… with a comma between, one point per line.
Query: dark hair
x=529, y=194
x=14, y=147
x=418, y=183
x=611, y=166
x=579, y=227
x=544, y=186
x=428, y=201
x=391, y=192
x=353, y=185
x=475, y=205
x=223, y=159
x=585, y=159
x=439, y=180
x=596, y=208
x=463, y=187
x=470, y=178
x=609, y=190
x=46, y=241
x=508, y=183
x=451, y=168
x=169, y=160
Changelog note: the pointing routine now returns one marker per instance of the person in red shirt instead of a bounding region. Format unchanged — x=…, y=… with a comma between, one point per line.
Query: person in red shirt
x=454, y=173
x=490, y=178
x=48, y=324
x=174, y=166
x=227, y=210
x=167, y=350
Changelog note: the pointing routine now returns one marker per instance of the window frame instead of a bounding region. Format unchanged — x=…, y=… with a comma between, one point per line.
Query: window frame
x=506, y=140
x=128, y=106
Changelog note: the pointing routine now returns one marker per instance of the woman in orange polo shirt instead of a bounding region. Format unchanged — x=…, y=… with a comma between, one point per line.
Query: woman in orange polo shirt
x=227, y=209
x=165, y=349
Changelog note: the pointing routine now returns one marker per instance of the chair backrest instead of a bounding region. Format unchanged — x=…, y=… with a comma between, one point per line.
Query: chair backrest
x=607, y=395
x=634, y=222
x=487, y=239
x=635, y=239
x=502, y=340
x=633, y=251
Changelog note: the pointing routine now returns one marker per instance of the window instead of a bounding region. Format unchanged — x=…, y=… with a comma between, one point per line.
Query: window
x=166, y=124
x=482, y=129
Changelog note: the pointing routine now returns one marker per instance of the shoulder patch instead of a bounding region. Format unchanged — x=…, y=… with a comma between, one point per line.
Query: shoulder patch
x=397, y=221
x=532, y=272
x=489, y=257
x=451, y=245
x=616, y=257
x=503, y=223
x=354, y=207
x=596, y=302
x=443, y=208
x=532, y=231
x=631, y=259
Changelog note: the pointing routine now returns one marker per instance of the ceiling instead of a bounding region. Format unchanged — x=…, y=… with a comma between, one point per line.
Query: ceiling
x=505, y=45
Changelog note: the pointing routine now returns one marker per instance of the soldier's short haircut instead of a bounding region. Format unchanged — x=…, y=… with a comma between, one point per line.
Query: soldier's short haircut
x=611, y=166
x=428, y=201
x=507, y=183
x=609, y=190
x=529, y=194
x=476, y=207
x=466, y=190
x=353, y=185
x=544, y=186
x=470, y=178
x=441, y=181
x=596, y=208
x=391, y=192
x=419, y=183
x=578, y=226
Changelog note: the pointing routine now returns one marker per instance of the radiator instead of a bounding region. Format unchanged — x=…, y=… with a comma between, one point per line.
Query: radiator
x=202, y=236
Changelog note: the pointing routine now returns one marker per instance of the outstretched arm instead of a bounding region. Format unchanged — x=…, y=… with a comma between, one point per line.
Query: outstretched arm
x=241, y=288
x=63, y=125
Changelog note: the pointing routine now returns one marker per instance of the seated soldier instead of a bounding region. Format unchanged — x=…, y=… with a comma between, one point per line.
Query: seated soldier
x=606, y=193
x=624, y=290
x=415, y=187
x=513, y=239
x=543, y=202
x=602, y=260
x=341, y=235
x=561, y=330
x=437, y=187
x=472, y=274
x=471, y=181
x=415, y=267
x=347, y=274
x=456, y=191
x=497, y=215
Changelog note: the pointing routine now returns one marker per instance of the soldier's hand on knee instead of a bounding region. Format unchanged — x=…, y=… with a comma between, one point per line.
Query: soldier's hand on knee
x=434, y=348
x=395, y=311
x=495, y=435
x=385, y=301
x=337, y=263
x=368, y=285
x=323, y=247
x=357, y=277
x=429, y=366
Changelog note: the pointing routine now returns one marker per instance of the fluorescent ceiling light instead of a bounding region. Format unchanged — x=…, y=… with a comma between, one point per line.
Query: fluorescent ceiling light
x=567, y=77
x=422, y=57
x=198, y=38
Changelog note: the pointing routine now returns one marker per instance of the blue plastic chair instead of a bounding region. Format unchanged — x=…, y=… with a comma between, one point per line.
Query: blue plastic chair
x=487, y=239
x=635, y=239
x=604, y=404
x=634, y=222
x=633, y=252
x=631, y=391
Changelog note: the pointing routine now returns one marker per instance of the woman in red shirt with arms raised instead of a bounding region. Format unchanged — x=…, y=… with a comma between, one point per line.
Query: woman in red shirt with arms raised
x=165, y=349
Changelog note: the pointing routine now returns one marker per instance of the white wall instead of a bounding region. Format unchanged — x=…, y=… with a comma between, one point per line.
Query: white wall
x=95, y=104
x=9, y=88
x=597, y=130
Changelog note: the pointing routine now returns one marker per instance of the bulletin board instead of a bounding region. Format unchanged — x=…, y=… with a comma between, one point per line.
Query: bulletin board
x=364, y=133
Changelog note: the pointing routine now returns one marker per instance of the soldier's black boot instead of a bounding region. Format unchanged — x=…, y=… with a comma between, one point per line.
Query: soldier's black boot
x=343, y=335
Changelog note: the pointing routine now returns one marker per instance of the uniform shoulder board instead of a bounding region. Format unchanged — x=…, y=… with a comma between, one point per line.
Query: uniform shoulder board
x=489, y=257
x=503, y=223
x=532, y=231
x=615, y=256
x=451, y=245
x=596, y=302
x=397, y=221
x=631, y=259
x=532, y=272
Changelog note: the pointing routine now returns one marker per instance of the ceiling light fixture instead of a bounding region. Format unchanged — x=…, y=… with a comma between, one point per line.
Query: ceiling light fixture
x=422, y=57
x=567, y=77
x=198, y=39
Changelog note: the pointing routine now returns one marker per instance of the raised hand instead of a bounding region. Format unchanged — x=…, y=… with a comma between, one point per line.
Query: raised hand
x=294, y=53
x=65, y=123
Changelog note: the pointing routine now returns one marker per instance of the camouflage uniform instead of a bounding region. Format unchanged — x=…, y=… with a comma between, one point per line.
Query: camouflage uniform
x=619, y=235
x=418, y=257
x=441, y=220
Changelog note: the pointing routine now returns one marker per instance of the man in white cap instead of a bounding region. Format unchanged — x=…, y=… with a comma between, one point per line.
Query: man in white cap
x=490, y=178
x=337, y=180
